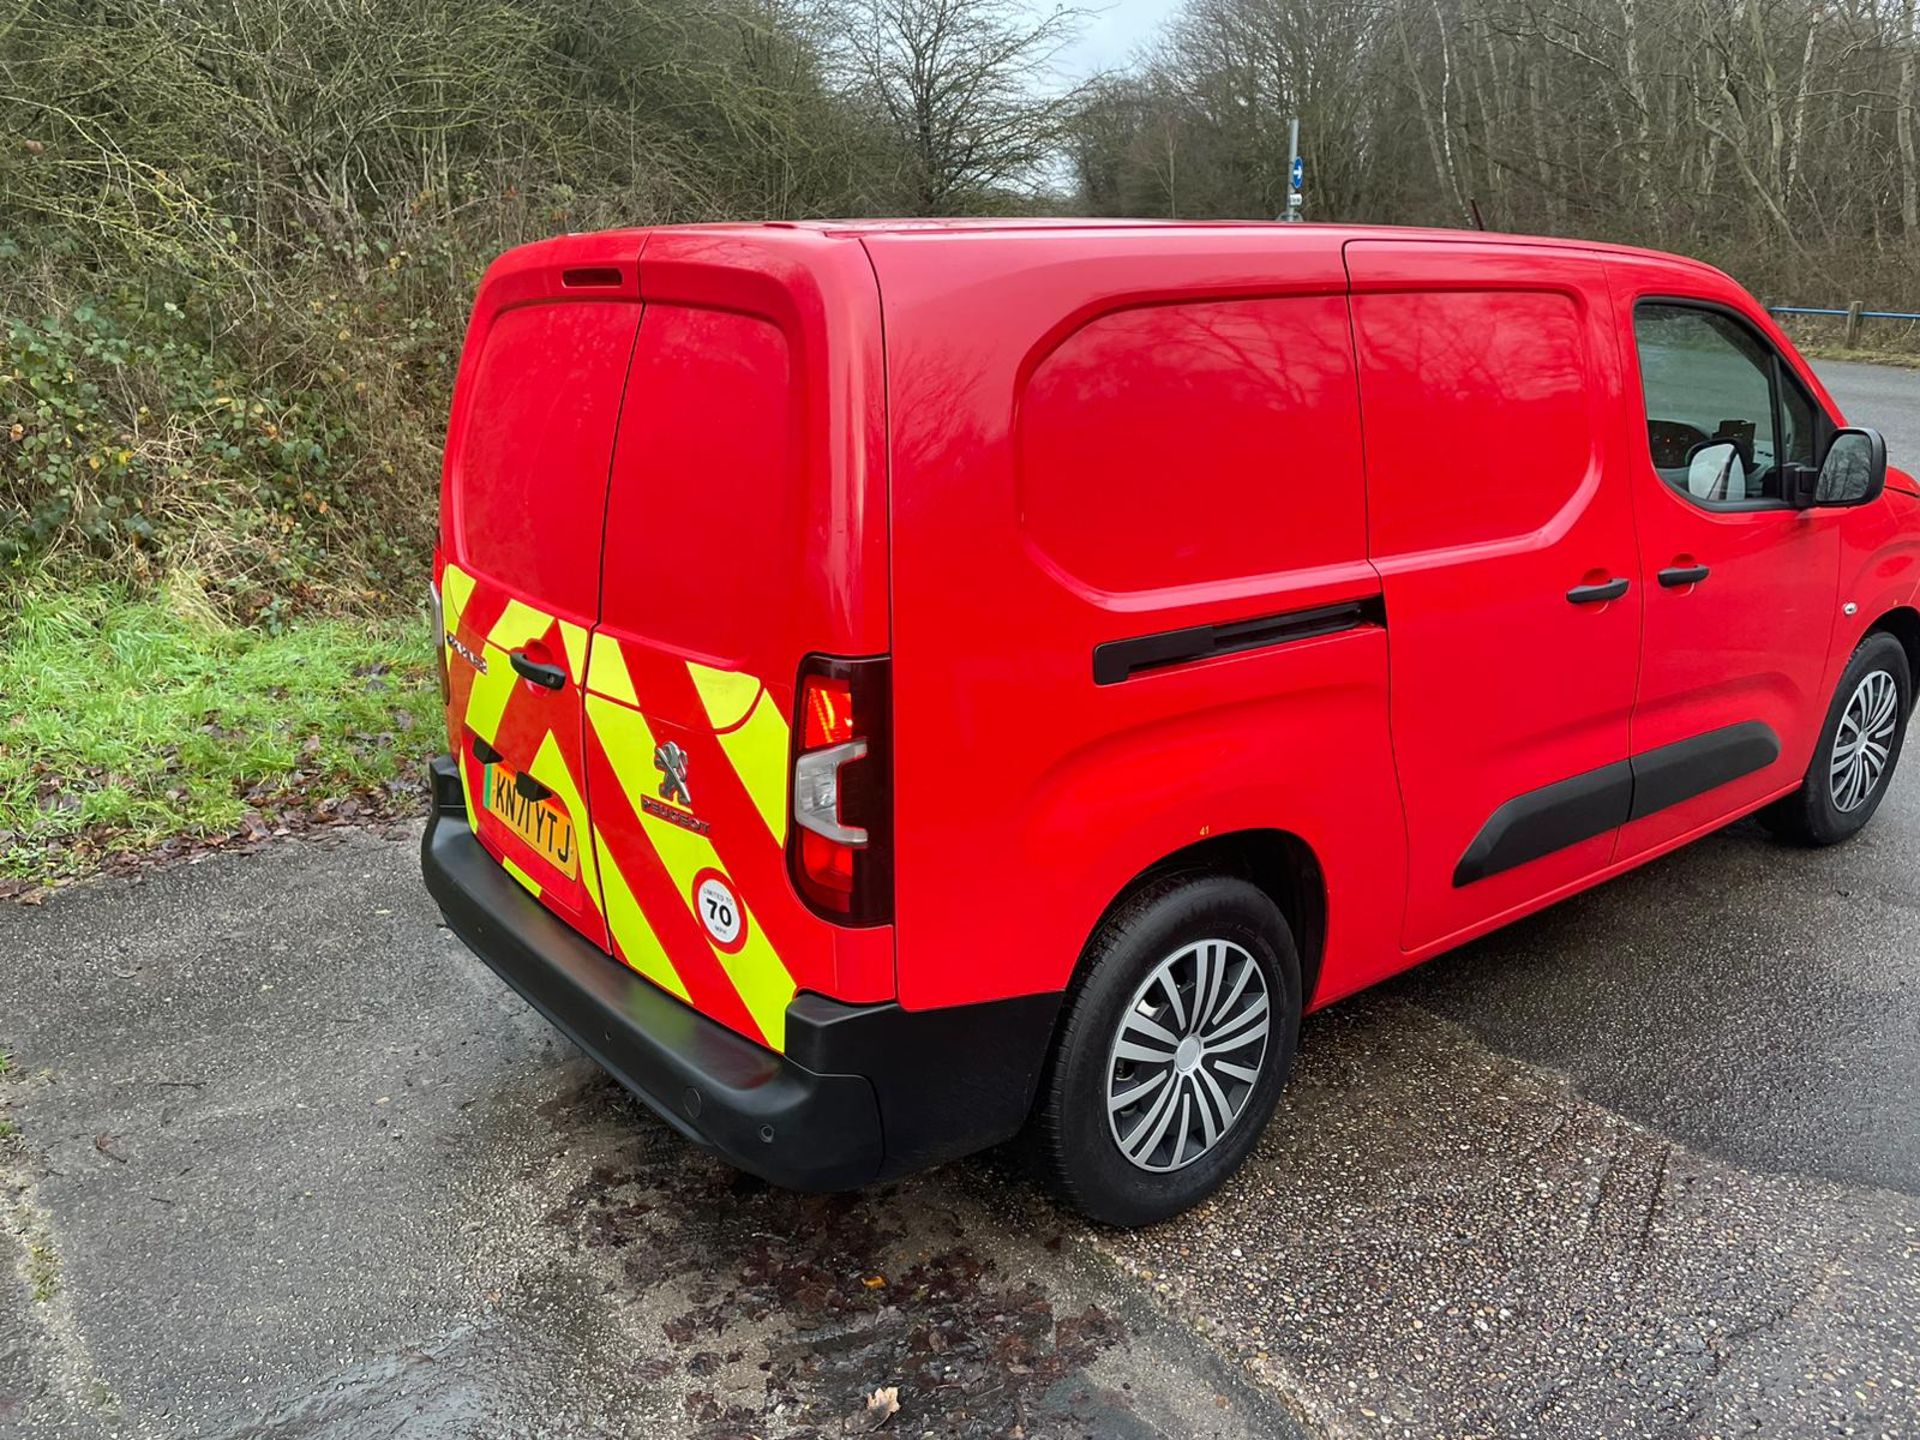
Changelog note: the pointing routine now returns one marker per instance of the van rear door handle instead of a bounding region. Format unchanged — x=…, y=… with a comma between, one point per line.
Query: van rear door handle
x=551, y=676
x=1674, y=576
x=1596, y=594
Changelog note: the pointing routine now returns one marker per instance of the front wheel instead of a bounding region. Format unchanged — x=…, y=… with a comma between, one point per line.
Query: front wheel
x=1176, y=1038
x=1858, y=750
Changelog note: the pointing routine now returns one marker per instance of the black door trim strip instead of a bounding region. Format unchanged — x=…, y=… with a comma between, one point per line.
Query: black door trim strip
x=1118, y=660
x=1549, y=819
x=1568, y=811
x=1664, y=777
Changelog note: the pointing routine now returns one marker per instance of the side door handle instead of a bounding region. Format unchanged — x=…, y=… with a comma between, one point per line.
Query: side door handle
x=1597, y=594
x=1674, y=576
x=550, y=676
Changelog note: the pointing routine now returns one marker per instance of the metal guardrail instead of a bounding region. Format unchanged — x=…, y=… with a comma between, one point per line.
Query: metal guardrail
x=1853, y=315
x=1864, y=314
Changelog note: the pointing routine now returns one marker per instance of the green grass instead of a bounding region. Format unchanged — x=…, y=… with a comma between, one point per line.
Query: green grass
x=126, y=720
x=1905, y=359
x=43, y=1272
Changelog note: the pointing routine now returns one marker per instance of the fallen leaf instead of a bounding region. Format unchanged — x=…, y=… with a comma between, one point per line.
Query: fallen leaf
x=883, y=1404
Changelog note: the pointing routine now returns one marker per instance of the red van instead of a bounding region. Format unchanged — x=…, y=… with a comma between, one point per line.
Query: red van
x=914, y=684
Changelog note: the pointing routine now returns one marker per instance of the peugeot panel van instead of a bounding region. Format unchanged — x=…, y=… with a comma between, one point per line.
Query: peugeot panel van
x=915, y=685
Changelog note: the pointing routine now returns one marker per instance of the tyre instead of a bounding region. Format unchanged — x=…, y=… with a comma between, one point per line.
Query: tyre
x=1858, y=750
x=1174, y=1042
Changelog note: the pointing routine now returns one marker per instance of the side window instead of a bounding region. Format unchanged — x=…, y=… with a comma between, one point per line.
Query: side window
x=1797, y=424
x=1707, y=378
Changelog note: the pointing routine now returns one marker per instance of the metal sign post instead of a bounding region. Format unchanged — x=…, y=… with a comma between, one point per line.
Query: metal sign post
x=1296, y=170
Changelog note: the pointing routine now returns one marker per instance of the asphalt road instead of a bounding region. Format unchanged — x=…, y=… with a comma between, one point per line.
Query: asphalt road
x=291, y=1164
x=1780, y=1034
x=1883, y=396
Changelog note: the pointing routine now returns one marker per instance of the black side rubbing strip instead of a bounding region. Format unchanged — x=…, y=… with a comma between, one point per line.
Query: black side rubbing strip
x=1119, y=660
x=1569, y=811
x=1549, y=819
x=1686, y=768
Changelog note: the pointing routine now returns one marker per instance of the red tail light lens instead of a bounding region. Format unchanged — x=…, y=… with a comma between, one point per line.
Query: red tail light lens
x=826, y=702
x=840, y=850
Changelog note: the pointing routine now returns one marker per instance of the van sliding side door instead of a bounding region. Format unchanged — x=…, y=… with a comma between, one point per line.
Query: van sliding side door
x=1499, y=523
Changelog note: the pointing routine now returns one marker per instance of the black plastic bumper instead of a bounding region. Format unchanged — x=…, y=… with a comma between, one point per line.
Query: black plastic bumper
x=864, y=1092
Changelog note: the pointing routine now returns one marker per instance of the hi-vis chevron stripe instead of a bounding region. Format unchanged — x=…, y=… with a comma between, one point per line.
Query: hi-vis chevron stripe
x=640, y=869
x=758, y=976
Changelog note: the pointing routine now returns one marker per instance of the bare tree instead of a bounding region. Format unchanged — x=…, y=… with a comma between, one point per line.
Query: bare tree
x=962, y=85
x=1773, y=137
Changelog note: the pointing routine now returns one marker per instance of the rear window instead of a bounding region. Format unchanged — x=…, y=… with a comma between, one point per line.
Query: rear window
x=530, y=470
x=1175, y=445
x=703, y=543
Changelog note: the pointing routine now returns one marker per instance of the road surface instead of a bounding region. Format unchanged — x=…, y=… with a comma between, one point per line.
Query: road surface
x=290, y=1163
x=1883, y=396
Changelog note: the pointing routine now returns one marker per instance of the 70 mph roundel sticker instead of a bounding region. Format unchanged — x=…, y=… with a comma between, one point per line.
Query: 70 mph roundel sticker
x=720, y=910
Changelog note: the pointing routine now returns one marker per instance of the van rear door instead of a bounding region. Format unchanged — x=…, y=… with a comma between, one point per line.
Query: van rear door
x=523, y=503
x=746, y=530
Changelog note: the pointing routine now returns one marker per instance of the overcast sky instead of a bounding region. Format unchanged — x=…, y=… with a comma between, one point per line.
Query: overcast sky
x=1109, y=34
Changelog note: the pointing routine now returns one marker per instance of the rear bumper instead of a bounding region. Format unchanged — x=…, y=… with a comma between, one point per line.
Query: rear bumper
x=864, y=1092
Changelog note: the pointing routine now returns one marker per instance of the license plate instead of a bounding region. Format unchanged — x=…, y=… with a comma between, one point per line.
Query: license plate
x=543, y=824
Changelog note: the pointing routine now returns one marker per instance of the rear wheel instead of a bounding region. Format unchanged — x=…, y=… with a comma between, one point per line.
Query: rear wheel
x=1176, y=1039
x=1858, y=750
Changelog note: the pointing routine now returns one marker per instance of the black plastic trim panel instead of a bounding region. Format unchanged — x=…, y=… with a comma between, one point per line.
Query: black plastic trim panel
x=1118, y=660
x=1665, y=777
x=1549, y=819
x=1568, y=811
x=863, y=1092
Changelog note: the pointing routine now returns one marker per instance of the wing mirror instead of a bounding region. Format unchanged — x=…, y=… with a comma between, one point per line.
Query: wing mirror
x=1853, y=472
x=1716, y=470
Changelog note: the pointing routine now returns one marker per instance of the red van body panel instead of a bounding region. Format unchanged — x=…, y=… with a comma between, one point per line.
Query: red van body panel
x=538, y=393
x=1152, y=544
x=1014, y=770
x=666, y=479
x=1484, y=377
x=746, y=528
x=1751, y=645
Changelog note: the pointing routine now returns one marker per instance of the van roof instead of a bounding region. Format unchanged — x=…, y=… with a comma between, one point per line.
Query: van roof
x=1304, y=232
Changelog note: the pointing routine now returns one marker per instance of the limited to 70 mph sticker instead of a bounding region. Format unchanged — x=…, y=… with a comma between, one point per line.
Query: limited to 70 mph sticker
x=720, y=910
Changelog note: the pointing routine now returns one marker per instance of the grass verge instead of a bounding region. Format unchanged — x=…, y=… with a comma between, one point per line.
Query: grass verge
x=129, y=721
x=1904, y=359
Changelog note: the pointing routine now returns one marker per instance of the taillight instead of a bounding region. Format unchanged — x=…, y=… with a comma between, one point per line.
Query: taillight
x=841, y=849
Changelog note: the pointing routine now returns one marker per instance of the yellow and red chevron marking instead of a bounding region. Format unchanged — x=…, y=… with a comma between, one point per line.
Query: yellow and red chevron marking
x=642, y=857
x=736, y=826
x=538, y=732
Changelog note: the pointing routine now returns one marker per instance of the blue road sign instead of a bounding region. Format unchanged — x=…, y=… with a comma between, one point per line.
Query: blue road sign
x=1298, y=173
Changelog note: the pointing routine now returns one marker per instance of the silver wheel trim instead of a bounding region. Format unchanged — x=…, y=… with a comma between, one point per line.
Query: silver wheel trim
x=1187, y=1054
x=1864, y=743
